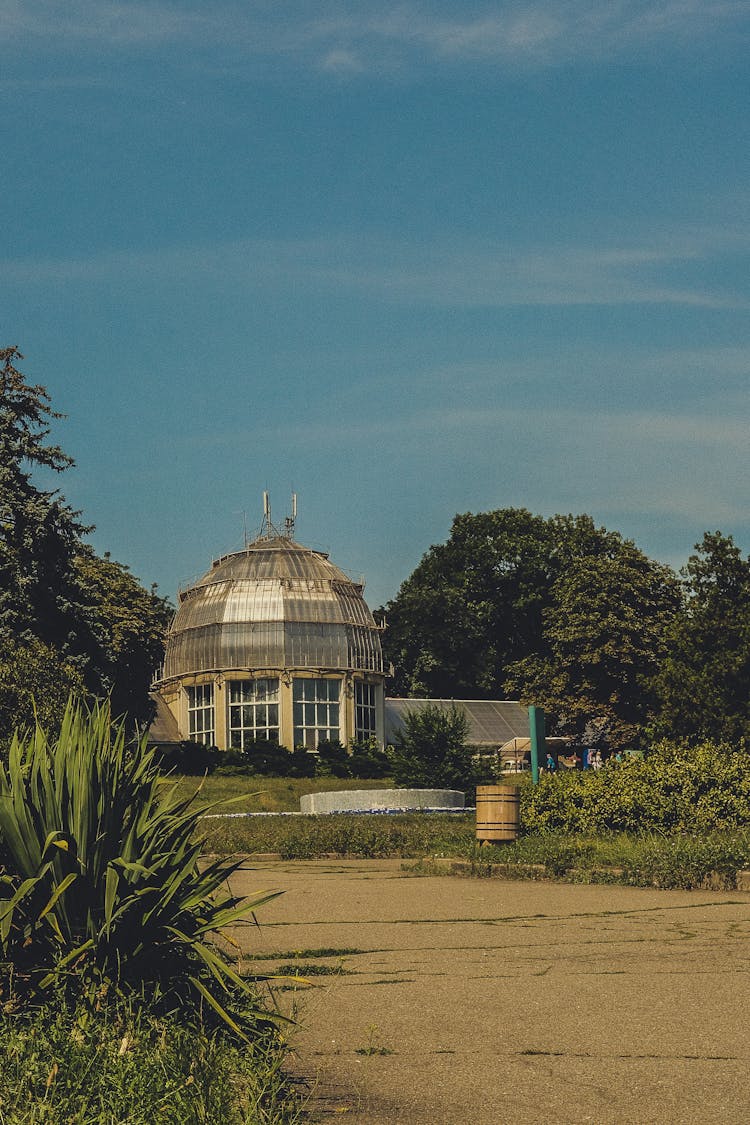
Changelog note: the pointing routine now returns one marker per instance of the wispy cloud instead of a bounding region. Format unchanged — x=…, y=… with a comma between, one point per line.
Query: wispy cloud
x=347, y=36
x=115, y=23
x=555, y=31
x=439, y=273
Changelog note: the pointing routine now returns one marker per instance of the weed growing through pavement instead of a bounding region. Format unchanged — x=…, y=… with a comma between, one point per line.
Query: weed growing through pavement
x=374, y=1046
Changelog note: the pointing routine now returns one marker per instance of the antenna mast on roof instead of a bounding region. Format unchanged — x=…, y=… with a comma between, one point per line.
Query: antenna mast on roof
x=267, y=529
x=290, y=520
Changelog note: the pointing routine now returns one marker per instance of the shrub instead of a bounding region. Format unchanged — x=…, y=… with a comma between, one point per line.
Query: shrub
x=332, y=760
x=675, y=788
x=368, y=759
x=431, y=750
x=100, y=885
x=192, y=759
x=267, y=758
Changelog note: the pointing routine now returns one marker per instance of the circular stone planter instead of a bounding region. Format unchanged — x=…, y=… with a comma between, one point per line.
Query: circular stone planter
x=382, y=800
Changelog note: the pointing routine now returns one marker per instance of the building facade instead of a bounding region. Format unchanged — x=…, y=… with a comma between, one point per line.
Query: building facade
x=274, y=643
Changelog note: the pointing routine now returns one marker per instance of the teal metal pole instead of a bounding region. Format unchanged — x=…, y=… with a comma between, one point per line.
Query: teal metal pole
x=536, y=730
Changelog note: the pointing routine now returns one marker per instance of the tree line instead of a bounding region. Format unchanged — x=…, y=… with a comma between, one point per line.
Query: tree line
x=71, y=621
x=619, y=649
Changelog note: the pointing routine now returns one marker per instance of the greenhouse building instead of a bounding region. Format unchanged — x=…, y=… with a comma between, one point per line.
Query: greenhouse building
x=273, y=643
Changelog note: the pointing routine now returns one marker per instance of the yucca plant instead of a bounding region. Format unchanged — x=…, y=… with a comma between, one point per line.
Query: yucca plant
x=100, y=885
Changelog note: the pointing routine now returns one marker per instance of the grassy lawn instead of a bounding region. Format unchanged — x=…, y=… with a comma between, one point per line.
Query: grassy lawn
x=369, y=836
x=647, y=859
x=267, y=794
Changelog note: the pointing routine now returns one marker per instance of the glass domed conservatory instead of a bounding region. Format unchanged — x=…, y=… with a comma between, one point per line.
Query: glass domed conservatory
x=277, y=643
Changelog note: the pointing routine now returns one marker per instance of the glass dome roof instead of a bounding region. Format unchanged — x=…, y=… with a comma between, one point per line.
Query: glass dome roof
x=275, y=605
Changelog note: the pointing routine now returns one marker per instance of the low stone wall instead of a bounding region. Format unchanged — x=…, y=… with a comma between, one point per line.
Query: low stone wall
x=381, y=800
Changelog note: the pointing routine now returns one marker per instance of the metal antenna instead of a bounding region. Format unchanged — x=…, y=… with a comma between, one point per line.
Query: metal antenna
x=266, y=526
x=290, y=520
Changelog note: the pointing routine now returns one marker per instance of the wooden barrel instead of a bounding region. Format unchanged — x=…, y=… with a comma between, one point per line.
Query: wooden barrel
x=498, y=813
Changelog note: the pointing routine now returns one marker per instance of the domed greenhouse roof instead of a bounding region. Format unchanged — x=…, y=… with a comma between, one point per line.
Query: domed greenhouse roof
x=275, y=605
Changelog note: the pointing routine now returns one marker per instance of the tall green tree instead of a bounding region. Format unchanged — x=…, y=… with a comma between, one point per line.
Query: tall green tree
x=605, y=636
x=474, y=605
x=87, y=618
x=703, y=685
x=39, y=533
x=127, y=624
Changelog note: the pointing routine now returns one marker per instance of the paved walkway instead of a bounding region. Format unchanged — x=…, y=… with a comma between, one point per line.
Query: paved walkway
x=483, y=1002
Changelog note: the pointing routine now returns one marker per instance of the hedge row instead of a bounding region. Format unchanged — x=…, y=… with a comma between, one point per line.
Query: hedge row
x=674, y=788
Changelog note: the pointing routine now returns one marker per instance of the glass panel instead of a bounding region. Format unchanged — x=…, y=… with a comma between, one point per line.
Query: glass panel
x=250, y=717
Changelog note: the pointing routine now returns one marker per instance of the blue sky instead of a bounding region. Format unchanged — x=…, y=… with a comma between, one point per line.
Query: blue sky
x=403, y=259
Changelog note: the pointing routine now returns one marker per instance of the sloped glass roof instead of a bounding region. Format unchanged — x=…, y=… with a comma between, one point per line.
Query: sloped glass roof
x=273, y=605
x=492, y=722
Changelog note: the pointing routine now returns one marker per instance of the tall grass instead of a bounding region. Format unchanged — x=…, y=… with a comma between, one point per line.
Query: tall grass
x=60, y=1066
x=652, y=859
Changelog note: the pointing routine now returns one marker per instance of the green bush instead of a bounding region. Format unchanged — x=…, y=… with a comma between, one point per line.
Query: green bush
x=368, y=760
x=332, y=760
x=675, y=788
x=266, y=758
x=431, y=750
x=99, y=880
x=188, y=758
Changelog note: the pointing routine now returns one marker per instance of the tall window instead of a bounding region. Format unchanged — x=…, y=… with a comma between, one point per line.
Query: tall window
x=316, y=712
x=253, y=711
x=201, y=713
x=365, y=724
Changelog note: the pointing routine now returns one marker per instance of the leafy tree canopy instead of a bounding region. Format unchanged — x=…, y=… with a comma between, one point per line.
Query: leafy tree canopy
x=86, y=618
x=127, y=624
x=35, y=684
x=474, y=605
x=558, y=611
x=703, y=685
x=605, y=636
x=39, y=533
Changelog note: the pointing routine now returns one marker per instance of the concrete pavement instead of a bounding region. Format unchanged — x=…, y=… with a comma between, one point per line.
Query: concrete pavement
x=487, y=1002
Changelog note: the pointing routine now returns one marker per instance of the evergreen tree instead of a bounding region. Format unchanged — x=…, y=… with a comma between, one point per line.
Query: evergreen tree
x=431, y=750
